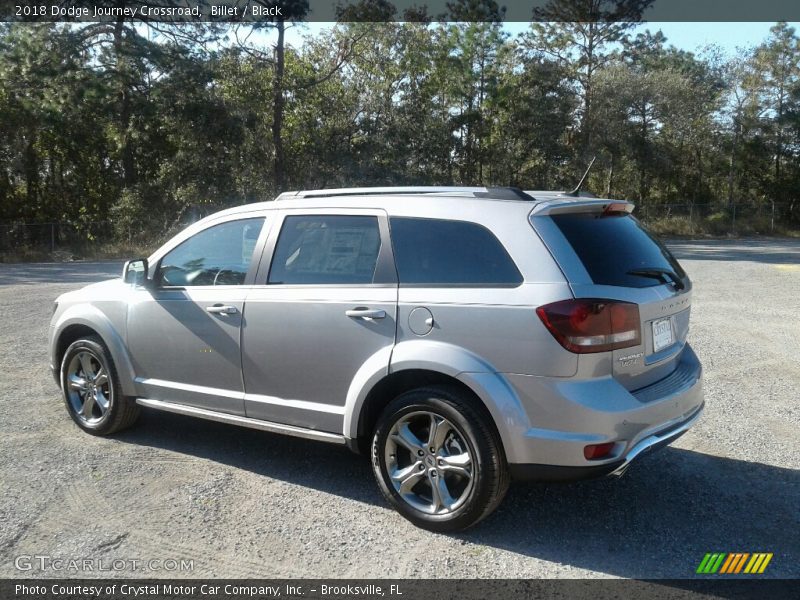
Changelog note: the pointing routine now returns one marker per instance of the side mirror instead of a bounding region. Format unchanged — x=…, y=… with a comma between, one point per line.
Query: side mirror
x=135, y=272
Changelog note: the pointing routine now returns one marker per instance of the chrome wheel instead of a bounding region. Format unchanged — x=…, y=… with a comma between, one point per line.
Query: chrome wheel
x=88, y=387
x=429, y=462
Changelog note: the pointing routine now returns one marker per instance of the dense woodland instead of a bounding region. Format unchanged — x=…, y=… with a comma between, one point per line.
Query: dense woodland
x=144, y=125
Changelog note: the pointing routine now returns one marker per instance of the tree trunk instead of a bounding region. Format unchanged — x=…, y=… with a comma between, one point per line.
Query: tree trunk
x=642, y=191
x=779, y=145
x=587, y=103
x=642, y=164
x=732, y=163
x=31, y=162
x=124, y=105
x=698, y=186
x=610, y=178
x=480, y=116
x=279, y=165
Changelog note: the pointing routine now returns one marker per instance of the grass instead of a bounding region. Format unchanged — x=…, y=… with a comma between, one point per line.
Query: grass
x=718, y=225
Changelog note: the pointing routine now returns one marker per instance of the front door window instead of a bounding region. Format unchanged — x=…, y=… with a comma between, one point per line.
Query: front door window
x=219, y=255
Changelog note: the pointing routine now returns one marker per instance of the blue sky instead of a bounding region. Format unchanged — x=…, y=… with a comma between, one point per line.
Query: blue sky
x=729, y=36
x=687, y=36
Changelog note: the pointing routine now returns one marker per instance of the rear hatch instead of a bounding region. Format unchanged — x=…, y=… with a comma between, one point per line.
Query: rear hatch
x=605, y=253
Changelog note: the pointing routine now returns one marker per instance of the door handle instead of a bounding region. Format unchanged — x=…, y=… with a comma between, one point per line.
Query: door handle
x=365, y=313
x=219, y=309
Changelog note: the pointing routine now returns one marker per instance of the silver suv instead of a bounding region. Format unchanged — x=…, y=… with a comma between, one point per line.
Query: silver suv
x=461, y=337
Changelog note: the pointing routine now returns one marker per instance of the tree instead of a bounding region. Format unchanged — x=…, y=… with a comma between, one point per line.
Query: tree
x=53, y=153
x=533, y=107
x=153, y=127
x=778, y=67
x=580, y=35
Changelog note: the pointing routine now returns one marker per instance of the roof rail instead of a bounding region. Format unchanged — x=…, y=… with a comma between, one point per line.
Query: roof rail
x=540, y=194
x=497, y=193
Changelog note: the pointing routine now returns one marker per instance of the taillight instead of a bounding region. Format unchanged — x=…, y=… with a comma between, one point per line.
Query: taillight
x=616, y=208
x=591, y=325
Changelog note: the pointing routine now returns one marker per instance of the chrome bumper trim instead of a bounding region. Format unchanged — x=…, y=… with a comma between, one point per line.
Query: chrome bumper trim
x=658, y=440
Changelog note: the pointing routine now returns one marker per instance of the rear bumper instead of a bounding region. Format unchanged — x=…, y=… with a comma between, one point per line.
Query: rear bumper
x=531, y=472
x=557, y=474
x=567, y=415
x=658, y=440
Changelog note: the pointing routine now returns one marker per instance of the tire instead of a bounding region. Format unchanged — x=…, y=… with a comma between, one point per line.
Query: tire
x=467, y=465
x=96, y=402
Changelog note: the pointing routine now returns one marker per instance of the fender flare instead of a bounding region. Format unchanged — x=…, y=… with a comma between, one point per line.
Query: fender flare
x=91, y=317
x=489, y=386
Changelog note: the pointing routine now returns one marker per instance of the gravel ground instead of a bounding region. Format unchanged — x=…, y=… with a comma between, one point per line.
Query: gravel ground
x=242, y=503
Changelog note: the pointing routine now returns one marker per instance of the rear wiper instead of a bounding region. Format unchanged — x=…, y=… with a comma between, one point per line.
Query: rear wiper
x=663, y=275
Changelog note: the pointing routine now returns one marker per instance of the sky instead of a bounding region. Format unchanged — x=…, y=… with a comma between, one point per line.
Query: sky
x=729, y=36
x=686, y=36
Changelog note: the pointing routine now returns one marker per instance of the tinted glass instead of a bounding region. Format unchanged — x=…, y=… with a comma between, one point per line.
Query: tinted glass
x=320, y=249
x=610, y=246
x=439, y=252
x=219, y=255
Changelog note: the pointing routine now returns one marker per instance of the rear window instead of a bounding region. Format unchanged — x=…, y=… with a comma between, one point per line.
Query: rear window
x=610, y=246
x=439, y=252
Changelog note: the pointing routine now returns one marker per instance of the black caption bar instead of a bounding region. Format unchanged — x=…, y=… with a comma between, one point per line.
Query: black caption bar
x=189, y=11
x=441, y=589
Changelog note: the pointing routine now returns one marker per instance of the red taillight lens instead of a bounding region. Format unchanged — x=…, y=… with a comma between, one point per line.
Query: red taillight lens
x=616, y=208
x=596, y=451
x=592, y=325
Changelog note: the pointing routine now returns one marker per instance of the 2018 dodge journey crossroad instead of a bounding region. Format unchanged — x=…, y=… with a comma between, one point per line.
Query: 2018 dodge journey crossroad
x=461, y=337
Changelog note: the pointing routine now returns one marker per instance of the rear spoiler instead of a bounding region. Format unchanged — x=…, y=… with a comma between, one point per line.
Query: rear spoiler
x=562, y=204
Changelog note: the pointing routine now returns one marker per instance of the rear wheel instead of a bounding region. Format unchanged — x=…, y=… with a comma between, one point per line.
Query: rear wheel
x=437, y=461
x=91, y=389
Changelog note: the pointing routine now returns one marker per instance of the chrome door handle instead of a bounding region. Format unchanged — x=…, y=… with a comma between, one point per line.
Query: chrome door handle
x=365, y=313
x=222, y=310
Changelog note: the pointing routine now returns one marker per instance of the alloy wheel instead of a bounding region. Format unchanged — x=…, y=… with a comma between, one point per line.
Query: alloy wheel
x=88, y=387
x=429, y=462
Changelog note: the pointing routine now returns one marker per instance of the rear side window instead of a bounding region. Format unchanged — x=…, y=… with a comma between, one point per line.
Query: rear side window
x=451, y=253
x=611, y=246
x=320, y=250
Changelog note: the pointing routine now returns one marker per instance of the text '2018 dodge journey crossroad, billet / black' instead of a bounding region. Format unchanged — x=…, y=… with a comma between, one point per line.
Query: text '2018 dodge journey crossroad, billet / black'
x=460, y=336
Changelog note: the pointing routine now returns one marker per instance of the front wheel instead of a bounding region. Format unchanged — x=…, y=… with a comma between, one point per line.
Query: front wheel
x=92, y=391
x=437, y=460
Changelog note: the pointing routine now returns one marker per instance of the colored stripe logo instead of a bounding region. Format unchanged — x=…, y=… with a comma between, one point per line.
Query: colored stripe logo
x=733, y=563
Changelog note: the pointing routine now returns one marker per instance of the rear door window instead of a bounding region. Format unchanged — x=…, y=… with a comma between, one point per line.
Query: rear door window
x=326, y=250
x=611, y=246
x=438, y=252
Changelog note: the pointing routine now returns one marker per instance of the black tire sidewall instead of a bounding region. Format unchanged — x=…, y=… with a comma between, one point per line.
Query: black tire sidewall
x=105, y=424
x=446, y=405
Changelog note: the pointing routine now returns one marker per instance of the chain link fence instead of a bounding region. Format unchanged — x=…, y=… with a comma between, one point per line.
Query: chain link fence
x=36, y=239
x=768, y=218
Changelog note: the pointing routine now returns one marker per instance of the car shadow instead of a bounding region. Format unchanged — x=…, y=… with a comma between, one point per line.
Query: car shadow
x=770, y=251
x=657, y=521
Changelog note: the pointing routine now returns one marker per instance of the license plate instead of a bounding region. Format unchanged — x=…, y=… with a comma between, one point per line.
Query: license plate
x=662, y=334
